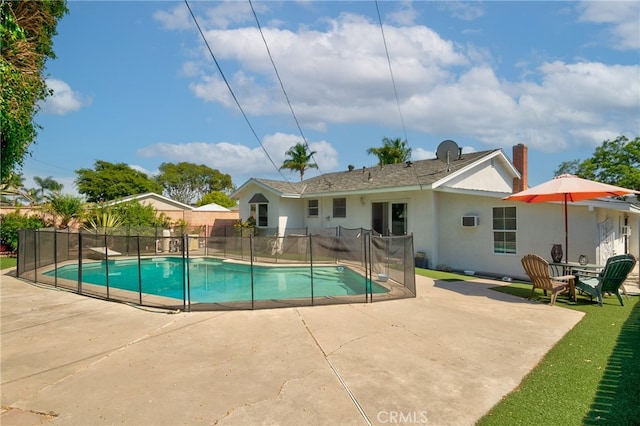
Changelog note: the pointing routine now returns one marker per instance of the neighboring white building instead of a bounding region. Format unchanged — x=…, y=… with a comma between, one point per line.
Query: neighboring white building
x=207, y=215
x=455, y=212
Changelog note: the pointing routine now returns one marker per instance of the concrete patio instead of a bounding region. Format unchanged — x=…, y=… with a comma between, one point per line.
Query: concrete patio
x=443, y=358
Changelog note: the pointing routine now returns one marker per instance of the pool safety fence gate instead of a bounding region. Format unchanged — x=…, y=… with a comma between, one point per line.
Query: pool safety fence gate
x=179, y=270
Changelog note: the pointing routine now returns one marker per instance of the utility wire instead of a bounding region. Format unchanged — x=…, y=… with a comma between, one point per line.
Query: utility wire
x=233, y=94
x=395, y=90
x=393, y=81
x=286, y=96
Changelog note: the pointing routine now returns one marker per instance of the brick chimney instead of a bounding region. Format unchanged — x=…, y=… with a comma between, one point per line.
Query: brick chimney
x=520, y=163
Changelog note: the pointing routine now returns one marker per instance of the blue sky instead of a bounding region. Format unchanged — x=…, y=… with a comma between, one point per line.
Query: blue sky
x=134, y=83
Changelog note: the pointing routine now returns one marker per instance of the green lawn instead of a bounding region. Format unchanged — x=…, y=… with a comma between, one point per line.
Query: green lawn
x=592, y=376
x=8, y=262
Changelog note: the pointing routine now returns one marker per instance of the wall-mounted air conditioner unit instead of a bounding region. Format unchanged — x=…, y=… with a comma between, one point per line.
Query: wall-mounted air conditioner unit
x=626, y=231
x=470, y=220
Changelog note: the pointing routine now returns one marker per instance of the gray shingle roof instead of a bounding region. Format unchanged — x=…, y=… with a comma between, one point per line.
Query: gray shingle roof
x=419, y=173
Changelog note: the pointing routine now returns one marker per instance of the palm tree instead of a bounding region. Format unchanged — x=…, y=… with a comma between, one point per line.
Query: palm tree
x=13, y=186
x=392, y=151
x=299, y=159
x=48, y=184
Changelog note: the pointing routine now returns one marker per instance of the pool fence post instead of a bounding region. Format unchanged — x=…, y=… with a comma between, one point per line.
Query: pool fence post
x=311, y=269
x=22, y=236
x=251, y=257
x=55, y=257
x=106, y=261
x=79, y=262
x=368, y=269
x=185, y=271
x=139, y=271
x=36, y=241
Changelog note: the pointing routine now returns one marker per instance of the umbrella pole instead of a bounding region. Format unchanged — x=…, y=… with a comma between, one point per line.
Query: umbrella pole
x=566, y=232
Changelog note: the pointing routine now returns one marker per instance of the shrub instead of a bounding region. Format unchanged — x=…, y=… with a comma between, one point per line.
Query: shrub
x=12, y=222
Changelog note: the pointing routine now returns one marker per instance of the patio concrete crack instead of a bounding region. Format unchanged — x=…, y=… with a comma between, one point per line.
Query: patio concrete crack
x=280, y=391
x=103, y=356
x=335, y=371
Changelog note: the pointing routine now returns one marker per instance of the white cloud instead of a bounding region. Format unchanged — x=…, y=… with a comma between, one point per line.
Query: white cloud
x=405, y=14
x=623, y=18
x=144, y=170
x=177, y=18
x=466, y=11
x=63, y=100
x=339, y=75
x=222, y=15
x=239, y=160
x=422, y=154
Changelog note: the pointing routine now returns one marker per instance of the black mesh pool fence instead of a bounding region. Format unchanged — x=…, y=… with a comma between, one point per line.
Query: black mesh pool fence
x=205, y=270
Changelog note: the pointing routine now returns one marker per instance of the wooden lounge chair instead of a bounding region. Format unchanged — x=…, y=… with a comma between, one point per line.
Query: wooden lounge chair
x=609, y=280
x=538, y=271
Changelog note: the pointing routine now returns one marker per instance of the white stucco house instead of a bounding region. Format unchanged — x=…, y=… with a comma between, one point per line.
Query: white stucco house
x=456, y=212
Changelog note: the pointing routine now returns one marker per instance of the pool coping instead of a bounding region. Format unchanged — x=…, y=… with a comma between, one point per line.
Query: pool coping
x=394, y=289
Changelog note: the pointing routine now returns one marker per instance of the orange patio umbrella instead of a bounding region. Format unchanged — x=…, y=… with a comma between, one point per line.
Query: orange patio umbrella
x=568, y=188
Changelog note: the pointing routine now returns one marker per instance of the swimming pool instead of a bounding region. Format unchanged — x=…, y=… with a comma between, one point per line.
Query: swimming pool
x=214, y=280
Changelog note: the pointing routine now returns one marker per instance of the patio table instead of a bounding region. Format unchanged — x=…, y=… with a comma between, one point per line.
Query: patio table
x=571, y=279
x=567, y=268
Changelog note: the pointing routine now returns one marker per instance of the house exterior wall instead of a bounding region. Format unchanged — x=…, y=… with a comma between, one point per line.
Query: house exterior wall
x=209, y=218
x=290, y=214
x=173, y=215
x=610, y=225
x=434, y=219
x=357, y=214
x=468, y=248
x=539, y=226
x=483, y=177
x=159, y=204
x=244, y=208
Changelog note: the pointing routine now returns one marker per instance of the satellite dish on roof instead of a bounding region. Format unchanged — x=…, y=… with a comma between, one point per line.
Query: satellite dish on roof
x=447, y=150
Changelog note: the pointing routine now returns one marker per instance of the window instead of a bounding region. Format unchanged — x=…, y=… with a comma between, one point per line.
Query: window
x=312, y=210
x=389, y=218
x=339, y=207
x=398, y=219
x=263, y=215
x=504, y=230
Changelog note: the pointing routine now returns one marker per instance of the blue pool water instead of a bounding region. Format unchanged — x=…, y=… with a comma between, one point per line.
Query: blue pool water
x=214, y=281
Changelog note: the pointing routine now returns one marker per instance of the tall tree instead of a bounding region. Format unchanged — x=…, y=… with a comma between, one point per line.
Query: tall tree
x=188, y=182
x=299, y=159
x=392, y=151
x=112, y=181
x=13, y=188
x=615, y=162
x=47, y=184
x=26, y=40
x=218, y=197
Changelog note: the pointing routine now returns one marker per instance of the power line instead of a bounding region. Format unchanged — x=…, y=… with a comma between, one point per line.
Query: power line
x=393, y=81
x=395, y=90
x=233, y=94
x=295, y=118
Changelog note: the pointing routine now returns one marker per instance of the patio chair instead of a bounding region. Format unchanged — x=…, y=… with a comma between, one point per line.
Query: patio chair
x=538, y=271
x=609, y=280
